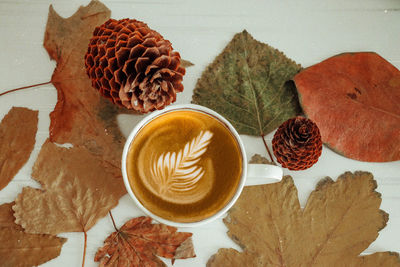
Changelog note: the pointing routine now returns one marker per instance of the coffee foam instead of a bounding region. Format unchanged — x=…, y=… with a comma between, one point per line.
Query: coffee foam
x=176, y=176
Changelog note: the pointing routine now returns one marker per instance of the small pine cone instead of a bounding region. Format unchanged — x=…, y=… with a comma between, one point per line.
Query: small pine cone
x=133, y=65
x=297, y=144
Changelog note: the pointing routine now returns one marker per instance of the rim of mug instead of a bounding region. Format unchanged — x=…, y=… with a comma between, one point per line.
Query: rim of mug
x=158, y=113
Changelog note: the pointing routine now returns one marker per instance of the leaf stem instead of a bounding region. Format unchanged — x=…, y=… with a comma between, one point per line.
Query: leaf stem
x=112, y=219
x=25, y=87
x=84, y=249
x=269, y=152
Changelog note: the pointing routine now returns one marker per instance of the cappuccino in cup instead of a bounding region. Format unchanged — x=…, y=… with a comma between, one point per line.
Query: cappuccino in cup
x=184, y=165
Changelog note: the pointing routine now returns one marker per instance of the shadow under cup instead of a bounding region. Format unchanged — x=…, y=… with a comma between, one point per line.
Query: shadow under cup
x=183, y=165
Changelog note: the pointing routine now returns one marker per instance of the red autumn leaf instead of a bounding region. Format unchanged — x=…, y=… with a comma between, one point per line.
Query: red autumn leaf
x=81, y=116
x=138, y=243
x=354, y=98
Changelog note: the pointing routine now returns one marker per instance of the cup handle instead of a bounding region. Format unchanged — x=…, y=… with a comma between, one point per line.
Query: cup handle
x=263, y=174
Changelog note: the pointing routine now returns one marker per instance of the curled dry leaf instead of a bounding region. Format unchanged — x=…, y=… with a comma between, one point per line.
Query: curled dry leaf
x=81, y=116
x=258, y=159
x=17, y=138
x=247, y=84
x=21, y=249
x=186, y=63
x=354, y=98
x=138, y=243
x=275, y=231
x=76, y=192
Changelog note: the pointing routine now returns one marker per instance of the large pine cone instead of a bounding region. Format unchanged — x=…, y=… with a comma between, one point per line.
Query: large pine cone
x=297, y=144
x=133, y=66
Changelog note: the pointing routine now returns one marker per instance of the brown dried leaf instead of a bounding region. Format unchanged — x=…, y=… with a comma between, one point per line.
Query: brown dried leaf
x=81, y=116
x=258, y=159
x=77, y=191
x=17, y=138
x=384, y=259
x=186, y=63
x=339, y=221
x=18, y=248
x=139, y=241
x=82, y=184
x=7, y=217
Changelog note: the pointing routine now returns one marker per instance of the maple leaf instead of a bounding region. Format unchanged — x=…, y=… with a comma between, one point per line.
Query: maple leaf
x=247, y=84
x=355, y=96
x=139, y=241
x=16, y=143
x=339, y=221
x=18, y=248
x=76, y=192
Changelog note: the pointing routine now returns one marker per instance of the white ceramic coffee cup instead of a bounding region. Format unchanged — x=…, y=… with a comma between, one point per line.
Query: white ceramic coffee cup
x=252, y=174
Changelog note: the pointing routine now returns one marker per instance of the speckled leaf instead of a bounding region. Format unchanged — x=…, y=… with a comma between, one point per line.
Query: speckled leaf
x=275, y=231
x=18, y=248
x=247, y=83
x=354, y=98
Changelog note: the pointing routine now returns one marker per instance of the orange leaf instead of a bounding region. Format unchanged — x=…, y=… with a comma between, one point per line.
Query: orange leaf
x=139, y=241
x=17, y=138
x=18, y=248
x=81, y=116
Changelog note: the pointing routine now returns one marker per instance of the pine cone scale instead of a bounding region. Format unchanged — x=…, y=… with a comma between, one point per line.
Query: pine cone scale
x=152, y=53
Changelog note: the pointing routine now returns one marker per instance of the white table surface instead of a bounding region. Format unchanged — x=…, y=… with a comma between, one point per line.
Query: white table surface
x=306, y=31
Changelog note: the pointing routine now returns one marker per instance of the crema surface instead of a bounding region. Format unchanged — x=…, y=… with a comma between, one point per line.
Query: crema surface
x=184, y=165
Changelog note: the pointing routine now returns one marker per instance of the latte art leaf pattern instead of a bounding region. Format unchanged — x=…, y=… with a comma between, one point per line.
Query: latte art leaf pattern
x=178, y=171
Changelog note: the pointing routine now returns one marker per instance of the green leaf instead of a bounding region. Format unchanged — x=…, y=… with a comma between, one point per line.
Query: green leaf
x=248, y=84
